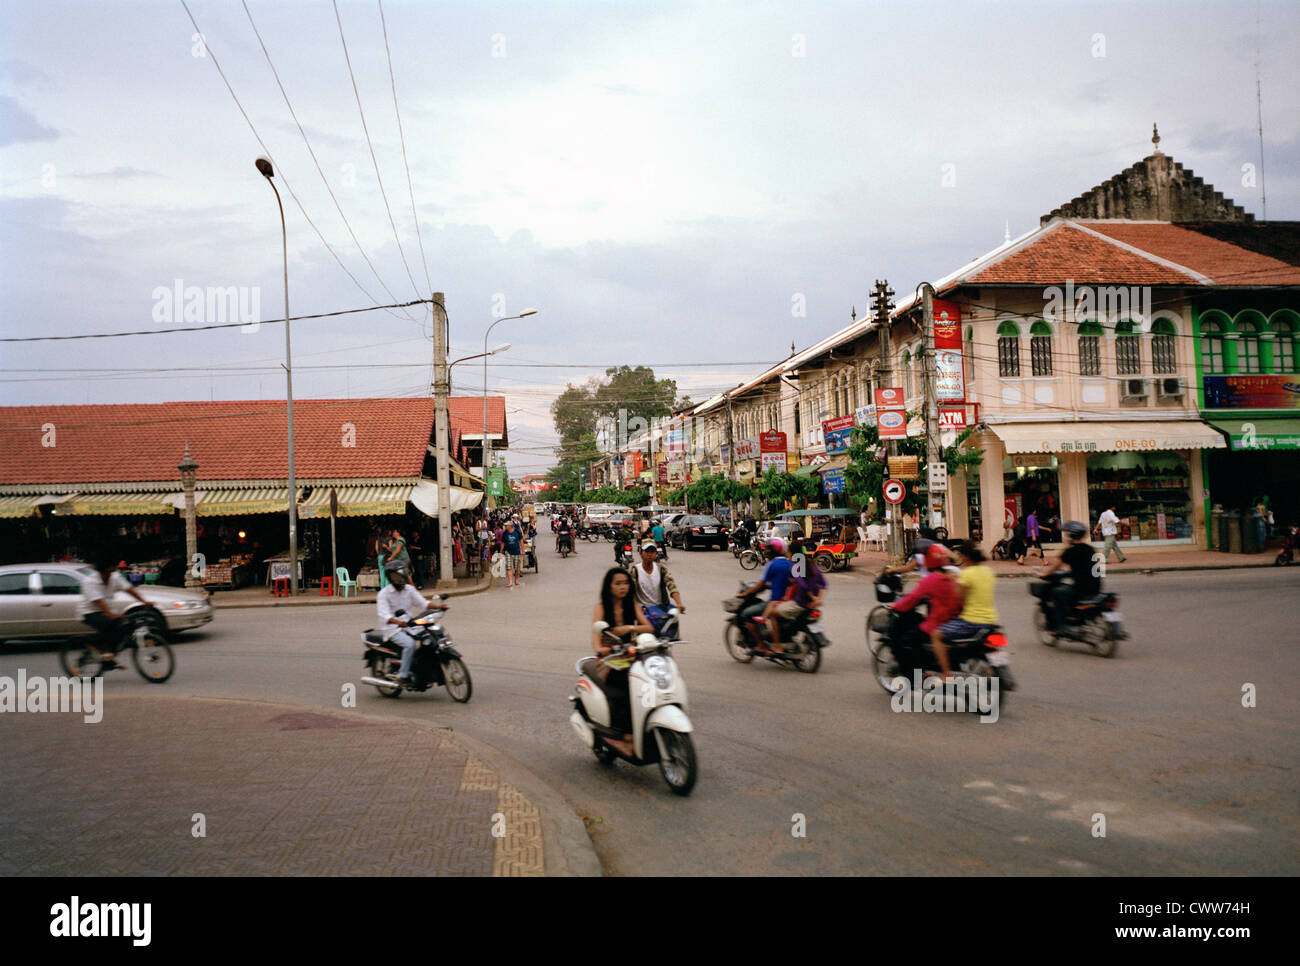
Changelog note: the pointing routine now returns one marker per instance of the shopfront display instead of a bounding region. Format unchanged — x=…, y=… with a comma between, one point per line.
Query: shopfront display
x=1031, y=484
x=1151, y=494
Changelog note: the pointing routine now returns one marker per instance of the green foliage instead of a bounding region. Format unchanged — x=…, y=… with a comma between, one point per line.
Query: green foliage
x=775, y=488
x=634, y=497
x=713, y=489
x=864, y=478
x=632, y=391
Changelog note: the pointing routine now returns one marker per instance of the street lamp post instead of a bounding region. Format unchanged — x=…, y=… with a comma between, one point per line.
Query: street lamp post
x=264, y=166
x=487, y=445
x=189, y=473
x=478, y=355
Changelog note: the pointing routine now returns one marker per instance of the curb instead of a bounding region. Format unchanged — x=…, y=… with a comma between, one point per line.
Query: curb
x=309, y=601
x=568, y=848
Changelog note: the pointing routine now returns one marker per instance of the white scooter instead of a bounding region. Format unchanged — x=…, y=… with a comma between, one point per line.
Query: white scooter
x=661, y=732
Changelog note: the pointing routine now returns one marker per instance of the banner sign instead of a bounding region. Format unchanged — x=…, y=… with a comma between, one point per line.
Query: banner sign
x=1252, y=392
x=676, y=472
x=836, y=433
x=947, y=325
x=747, y=449
x=949, y=380
x=663, y=474
x=772, y=441
x=496, y=480
x=865, y=416
x=952, y=418
x=676, y=440
x=773, y=461
x=891, y=420
x=833, y=481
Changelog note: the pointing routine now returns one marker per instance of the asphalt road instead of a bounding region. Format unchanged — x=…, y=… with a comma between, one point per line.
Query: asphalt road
x=1156, y=740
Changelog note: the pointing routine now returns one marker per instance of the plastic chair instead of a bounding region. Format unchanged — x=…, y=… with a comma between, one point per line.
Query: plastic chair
x=280, y=586
x=344, y=584
x=327, y=588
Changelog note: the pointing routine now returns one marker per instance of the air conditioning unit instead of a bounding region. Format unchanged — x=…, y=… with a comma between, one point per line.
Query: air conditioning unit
x=1133, y=390
x=1172, y=388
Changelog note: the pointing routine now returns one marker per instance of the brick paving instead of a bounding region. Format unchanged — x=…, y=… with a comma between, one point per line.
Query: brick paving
x=280, y=792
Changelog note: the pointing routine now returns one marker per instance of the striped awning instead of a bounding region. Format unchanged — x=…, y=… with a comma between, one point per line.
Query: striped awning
x=26, y=505
x=116, y=504
x=357, y=501
x=229, y=503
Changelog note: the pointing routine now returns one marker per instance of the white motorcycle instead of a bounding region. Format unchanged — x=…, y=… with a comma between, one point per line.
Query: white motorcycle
x=661, y=732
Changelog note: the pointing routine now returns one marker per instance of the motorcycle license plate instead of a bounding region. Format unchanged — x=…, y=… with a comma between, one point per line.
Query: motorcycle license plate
x=999, y=659
x=815, y=627
x=1114, y=616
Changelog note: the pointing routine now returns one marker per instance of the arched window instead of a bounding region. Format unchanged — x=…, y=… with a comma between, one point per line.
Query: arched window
x=1128, y=349
x=906, y=365
x=1248, y=347
x=850, y=393
x=968, y=357
x=1090, y=349
x=1283, y=347
x=1212, y=348
x=1164, y=353
x=1008, y=350
x=1040, y=349
x=866, y=396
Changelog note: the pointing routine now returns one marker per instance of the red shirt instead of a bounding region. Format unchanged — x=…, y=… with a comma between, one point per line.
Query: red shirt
x=942, y=592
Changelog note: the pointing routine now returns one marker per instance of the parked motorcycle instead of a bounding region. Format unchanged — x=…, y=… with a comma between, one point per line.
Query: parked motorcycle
x=1095, y=620
x=436, y=660
x=802, y=639
x=902, y=648
x=661, y=731
x=1286, y=556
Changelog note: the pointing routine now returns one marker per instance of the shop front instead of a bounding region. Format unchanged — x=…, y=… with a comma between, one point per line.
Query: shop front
x=1261, y=464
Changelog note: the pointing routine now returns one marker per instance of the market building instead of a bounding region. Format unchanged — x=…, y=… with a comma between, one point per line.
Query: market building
x=75, y=479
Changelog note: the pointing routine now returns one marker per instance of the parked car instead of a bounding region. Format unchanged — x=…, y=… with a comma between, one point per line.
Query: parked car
x=669, y=521
x=40, y=601
x=785, y=529
x=699, y=531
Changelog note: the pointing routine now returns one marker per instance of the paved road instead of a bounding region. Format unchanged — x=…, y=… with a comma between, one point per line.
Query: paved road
x=1156, y=740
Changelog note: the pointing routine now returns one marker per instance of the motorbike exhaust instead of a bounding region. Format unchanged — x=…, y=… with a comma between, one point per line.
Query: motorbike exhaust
x=379, y=682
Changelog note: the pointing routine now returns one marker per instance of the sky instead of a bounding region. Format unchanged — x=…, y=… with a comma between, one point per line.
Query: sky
x=663, y=182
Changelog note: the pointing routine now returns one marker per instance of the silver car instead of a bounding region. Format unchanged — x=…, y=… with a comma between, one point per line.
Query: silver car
x=40, y=601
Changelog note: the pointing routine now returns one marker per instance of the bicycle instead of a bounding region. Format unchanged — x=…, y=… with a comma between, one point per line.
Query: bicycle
x=150, y=653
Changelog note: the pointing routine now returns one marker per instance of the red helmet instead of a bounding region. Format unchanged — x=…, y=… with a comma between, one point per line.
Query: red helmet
x=936, y=555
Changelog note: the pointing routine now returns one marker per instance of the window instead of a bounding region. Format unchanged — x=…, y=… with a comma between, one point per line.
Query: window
x=905, y=363
x=1090, y=349
x=968, y=358
x=1248, y=347
x=1040, y=349
x=13, y=583
x=57, y=583
x=1212, y=347
x=1008, y=350
x=1164, y=359
x=1283, y=347
x=1128, y=349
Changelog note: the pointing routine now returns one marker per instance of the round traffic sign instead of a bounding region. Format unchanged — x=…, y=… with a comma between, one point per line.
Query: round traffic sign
x=894, y=491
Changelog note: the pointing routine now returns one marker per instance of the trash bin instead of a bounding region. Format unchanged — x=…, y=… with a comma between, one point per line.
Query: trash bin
x=1250, y=532
x=1232, y=523
x=1215, y=530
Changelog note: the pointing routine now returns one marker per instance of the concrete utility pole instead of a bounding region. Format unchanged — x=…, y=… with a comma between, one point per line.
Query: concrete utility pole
x=882, y=304
x=731, y=459
x=441, y=389
x=933, y=449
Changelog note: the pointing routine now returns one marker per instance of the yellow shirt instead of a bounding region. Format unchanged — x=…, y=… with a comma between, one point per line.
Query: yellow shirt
x=977, y=604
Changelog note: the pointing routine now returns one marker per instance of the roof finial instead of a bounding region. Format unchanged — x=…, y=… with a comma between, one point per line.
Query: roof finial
x=853, y=313
x=1155, y=137
x=1007, y=236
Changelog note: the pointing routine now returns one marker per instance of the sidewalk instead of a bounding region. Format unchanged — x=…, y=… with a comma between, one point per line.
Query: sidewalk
x=869, y=563
x=275, y=790
x=260, y=596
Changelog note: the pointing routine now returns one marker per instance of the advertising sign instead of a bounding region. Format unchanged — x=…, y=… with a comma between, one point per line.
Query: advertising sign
x=1252, y=392
x=952, y=418
x=836, y=432
x=865, y=416
x=772, y=461
x=497, y=480
x=949, y=380
x=833, y=481
x=747, y=449
x=772, y=441
x=663, y=474
x=676, y=472
x=947, y=325
x=891, y=420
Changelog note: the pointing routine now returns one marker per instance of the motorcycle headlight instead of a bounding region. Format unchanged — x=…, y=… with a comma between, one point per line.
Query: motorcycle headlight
x=660, y=672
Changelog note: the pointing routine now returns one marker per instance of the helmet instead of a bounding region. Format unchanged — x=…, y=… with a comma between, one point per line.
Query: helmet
x=1075, y=530
x=777, y=546
x=936, y=555
x=395, y=567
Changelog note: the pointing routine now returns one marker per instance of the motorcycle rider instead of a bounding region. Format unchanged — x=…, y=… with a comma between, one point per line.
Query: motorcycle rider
x=977, y=582
x=657, y=535
x=653, y=585
x=776, y=575
x=804, y=593
x=96, y=592
x=1080, y=557
x=618, y=608
x=400, y=595
x=622, y=538
x=564, y=531
x=941, y=589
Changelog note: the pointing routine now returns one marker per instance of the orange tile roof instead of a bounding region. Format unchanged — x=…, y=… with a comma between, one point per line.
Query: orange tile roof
x=1223, y=262
x=1065, y=251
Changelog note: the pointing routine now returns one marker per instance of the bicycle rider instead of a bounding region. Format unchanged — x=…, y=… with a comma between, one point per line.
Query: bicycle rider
x=96, y=591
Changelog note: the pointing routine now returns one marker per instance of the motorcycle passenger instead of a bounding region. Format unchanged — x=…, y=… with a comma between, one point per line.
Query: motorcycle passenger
x=940, y=588
x=564, y=532
x=653, y=585
x=976, y=587
x=96, y=592
x=622, y=538
x=657, y=535
x=1080, y=558
x=400, y=595
x=916, y=562
x=804, y=593
x=776, y=575
x=618, y=608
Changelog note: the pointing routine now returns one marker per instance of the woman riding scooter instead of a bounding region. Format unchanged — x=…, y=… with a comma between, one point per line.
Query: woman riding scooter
x=618, y=608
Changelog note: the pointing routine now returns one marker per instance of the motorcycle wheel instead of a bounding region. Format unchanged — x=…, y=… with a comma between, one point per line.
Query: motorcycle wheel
x=1045, y=635
x=738, y=649
x=1006, y=681
x=885, y=667
x=876, y=638
x=811, y=659
x=456, y=676
x=679, y=768
x=604, y=753
x=749, y=559
x=1101, y=639
x=377, y=669
x=81, y=662
x=824, y=561
x=153, y=659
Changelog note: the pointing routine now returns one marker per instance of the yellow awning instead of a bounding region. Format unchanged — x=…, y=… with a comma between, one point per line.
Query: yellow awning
x=1099, y=437
x=116, y=504
x=17, y=506
x=230, y=503
x=357, y=501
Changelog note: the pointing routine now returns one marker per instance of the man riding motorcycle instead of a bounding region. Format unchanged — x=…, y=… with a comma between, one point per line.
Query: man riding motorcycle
x=776, y=575
x=653, y=585
x=564, y=531
x=400, y=595
x=1080, y=558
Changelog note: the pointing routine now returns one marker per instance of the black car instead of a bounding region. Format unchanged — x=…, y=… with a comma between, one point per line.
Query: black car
x=699, y=531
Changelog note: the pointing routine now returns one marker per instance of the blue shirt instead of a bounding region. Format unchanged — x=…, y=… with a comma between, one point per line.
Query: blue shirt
x=511, y=542
x=657, y=532
x=777, y=576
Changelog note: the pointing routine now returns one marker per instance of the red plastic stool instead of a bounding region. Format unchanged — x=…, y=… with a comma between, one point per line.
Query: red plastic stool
x=280, y=586
x=327, y=588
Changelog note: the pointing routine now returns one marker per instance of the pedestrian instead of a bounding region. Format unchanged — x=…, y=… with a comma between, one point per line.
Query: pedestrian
x=1108, y=525
x=1017, y=549
x=1032, y=535
x=511, y=542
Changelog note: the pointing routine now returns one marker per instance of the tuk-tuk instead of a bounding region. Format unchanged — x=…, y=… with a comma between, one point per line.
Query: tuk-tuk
x=832, y=552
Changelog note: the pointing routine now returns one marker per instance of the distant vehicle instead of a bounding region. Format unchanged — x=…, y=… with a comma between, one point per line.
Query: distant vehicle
x=700, y=531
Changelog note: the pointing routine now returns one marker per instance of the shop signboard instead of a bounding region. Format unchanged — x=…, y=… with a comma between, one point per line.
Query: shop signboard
x=496, y=481
x=833, y=481
x=891, y=418
x=864, y=416
x=947, y=325
x=904, y=467
x=1253, y=392
x=836, y=433
x=772, y=461
x=772, y=441
x=949, y=380
x=952, y=418
x=747, y=449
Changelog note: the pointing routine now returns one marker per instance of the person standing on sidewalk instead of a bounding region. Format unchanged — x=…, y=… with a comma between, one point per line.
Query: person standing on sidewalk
x=1108, y=525
x=1032, y=534
x=511, y=540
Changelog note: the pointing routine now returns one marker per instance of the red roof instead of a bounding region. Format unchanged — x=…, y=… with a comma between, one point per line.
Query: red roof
x=1222, y=262
x=231, y=440
x=1065, y=251
x=467, y=413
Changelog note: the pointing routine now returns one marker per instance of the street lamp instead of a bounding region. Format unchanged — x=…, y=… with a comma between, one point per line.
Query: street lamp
x=264, y=166
x=478, y=355
x=189, y=474
x=487, y=445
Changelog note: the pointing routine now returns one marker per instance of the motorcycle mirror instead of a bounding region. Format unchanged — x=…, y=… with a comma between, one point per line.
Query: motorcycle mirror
x=646, y=639
x=599, y=626
x=674, y=612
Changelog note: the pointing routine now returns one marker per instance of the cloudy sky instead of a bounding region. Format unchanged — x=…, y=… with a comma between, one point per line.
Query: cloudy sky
x=661, y=181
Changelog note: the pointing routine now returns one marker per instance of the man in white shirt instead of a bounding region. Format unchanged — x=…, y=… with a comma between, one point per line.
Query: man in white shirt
x=400, y=595
x=1108, y=524
x=96, y=591
x=653, y=585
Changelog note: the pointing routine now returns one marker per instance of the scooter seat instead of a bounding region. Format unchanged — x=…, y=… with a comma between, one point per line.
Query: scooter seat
x=374, y=637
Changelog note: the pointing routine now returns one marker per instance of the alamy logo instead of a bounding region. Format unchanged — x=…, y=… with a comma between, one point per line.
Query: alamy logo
x=933, y=695
x=1097, y=301
x=26, y=695
x=213, y=305
x=102, y=919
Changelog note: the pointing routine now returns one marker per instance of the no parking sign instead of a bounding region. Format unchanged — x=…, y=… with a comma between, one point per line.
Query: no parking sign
x=894, y=491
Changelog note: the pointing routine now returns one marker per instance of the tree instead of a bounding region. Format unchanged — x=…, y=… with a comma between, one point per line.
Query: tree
x=777, y=488
x=574, y=413
x=865, y=477
x=632, y=392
